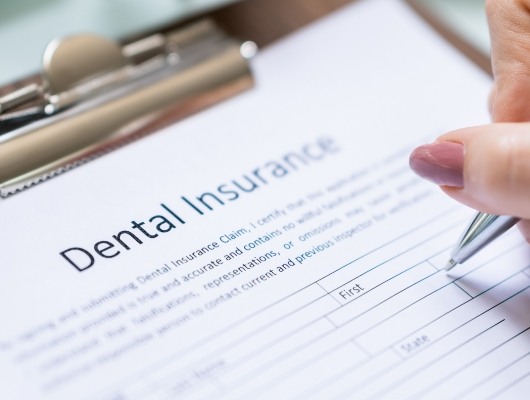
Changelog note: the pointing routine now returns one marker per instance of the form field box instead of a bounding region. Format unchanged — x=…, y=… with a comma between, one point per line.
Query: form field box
x=412, y=318
x=328, y=366
x=495, y=271
x=385, y=298
x=270, y=336
x=346, y=383
x=396, y=256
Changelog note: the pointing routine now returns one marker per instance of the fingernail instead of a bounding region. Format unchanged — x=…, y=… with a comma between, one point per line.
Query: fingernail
x=441, y=163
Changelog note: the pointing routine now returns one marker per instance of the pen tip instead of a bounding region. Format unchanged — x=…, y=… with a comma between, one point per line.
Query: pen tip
x=450, y=264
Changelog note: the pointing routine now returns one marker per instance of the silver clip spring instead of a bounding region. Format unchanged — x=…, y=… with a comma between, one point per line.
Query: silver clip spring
x=81, y=66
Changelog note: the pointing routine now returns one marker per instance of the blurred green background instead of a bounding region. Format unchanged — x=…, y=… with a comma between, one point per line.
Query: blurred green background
x=26, y=26
x=466, y=17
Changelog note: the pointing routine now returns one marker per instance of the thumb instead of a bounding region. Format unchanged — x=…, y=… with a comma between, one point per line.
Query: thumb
x=509, y=22
x=485, y=167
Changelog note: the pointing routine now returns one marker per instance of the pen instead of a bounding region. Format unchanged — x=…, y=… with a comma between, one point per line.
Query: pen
x=482, y=230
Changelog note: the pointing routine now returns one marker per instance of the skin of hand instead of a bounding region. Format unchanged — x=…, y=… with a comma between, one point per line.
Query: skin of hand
x=488, y=167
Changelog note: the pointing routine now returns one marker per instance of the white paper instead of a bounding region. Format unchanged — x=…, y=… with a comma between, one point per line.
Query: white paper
x=339, y=290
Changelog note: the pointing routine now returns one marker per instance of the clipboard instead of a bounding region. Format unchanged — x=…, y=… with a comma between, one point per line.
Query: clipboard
x=43, y=224
x=52, y=123
x=95, y=95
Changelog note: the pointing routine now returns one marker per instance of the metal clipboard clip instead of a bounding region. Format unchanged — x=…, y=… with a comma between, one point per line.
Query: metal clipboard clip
x=96, y=96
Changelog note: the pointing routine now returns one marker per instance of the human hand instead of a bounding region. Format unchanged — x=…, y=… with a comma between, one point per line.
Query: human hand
x=488, y=167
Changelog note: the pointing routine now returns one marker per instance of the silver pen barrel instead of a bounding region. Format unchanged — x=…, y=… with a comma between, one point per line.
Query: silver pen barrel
x=482, y=230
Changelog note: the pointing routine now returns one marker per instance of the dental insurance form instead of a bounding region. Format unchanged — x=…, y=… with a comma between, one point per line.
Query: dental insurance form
x=276, y=246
